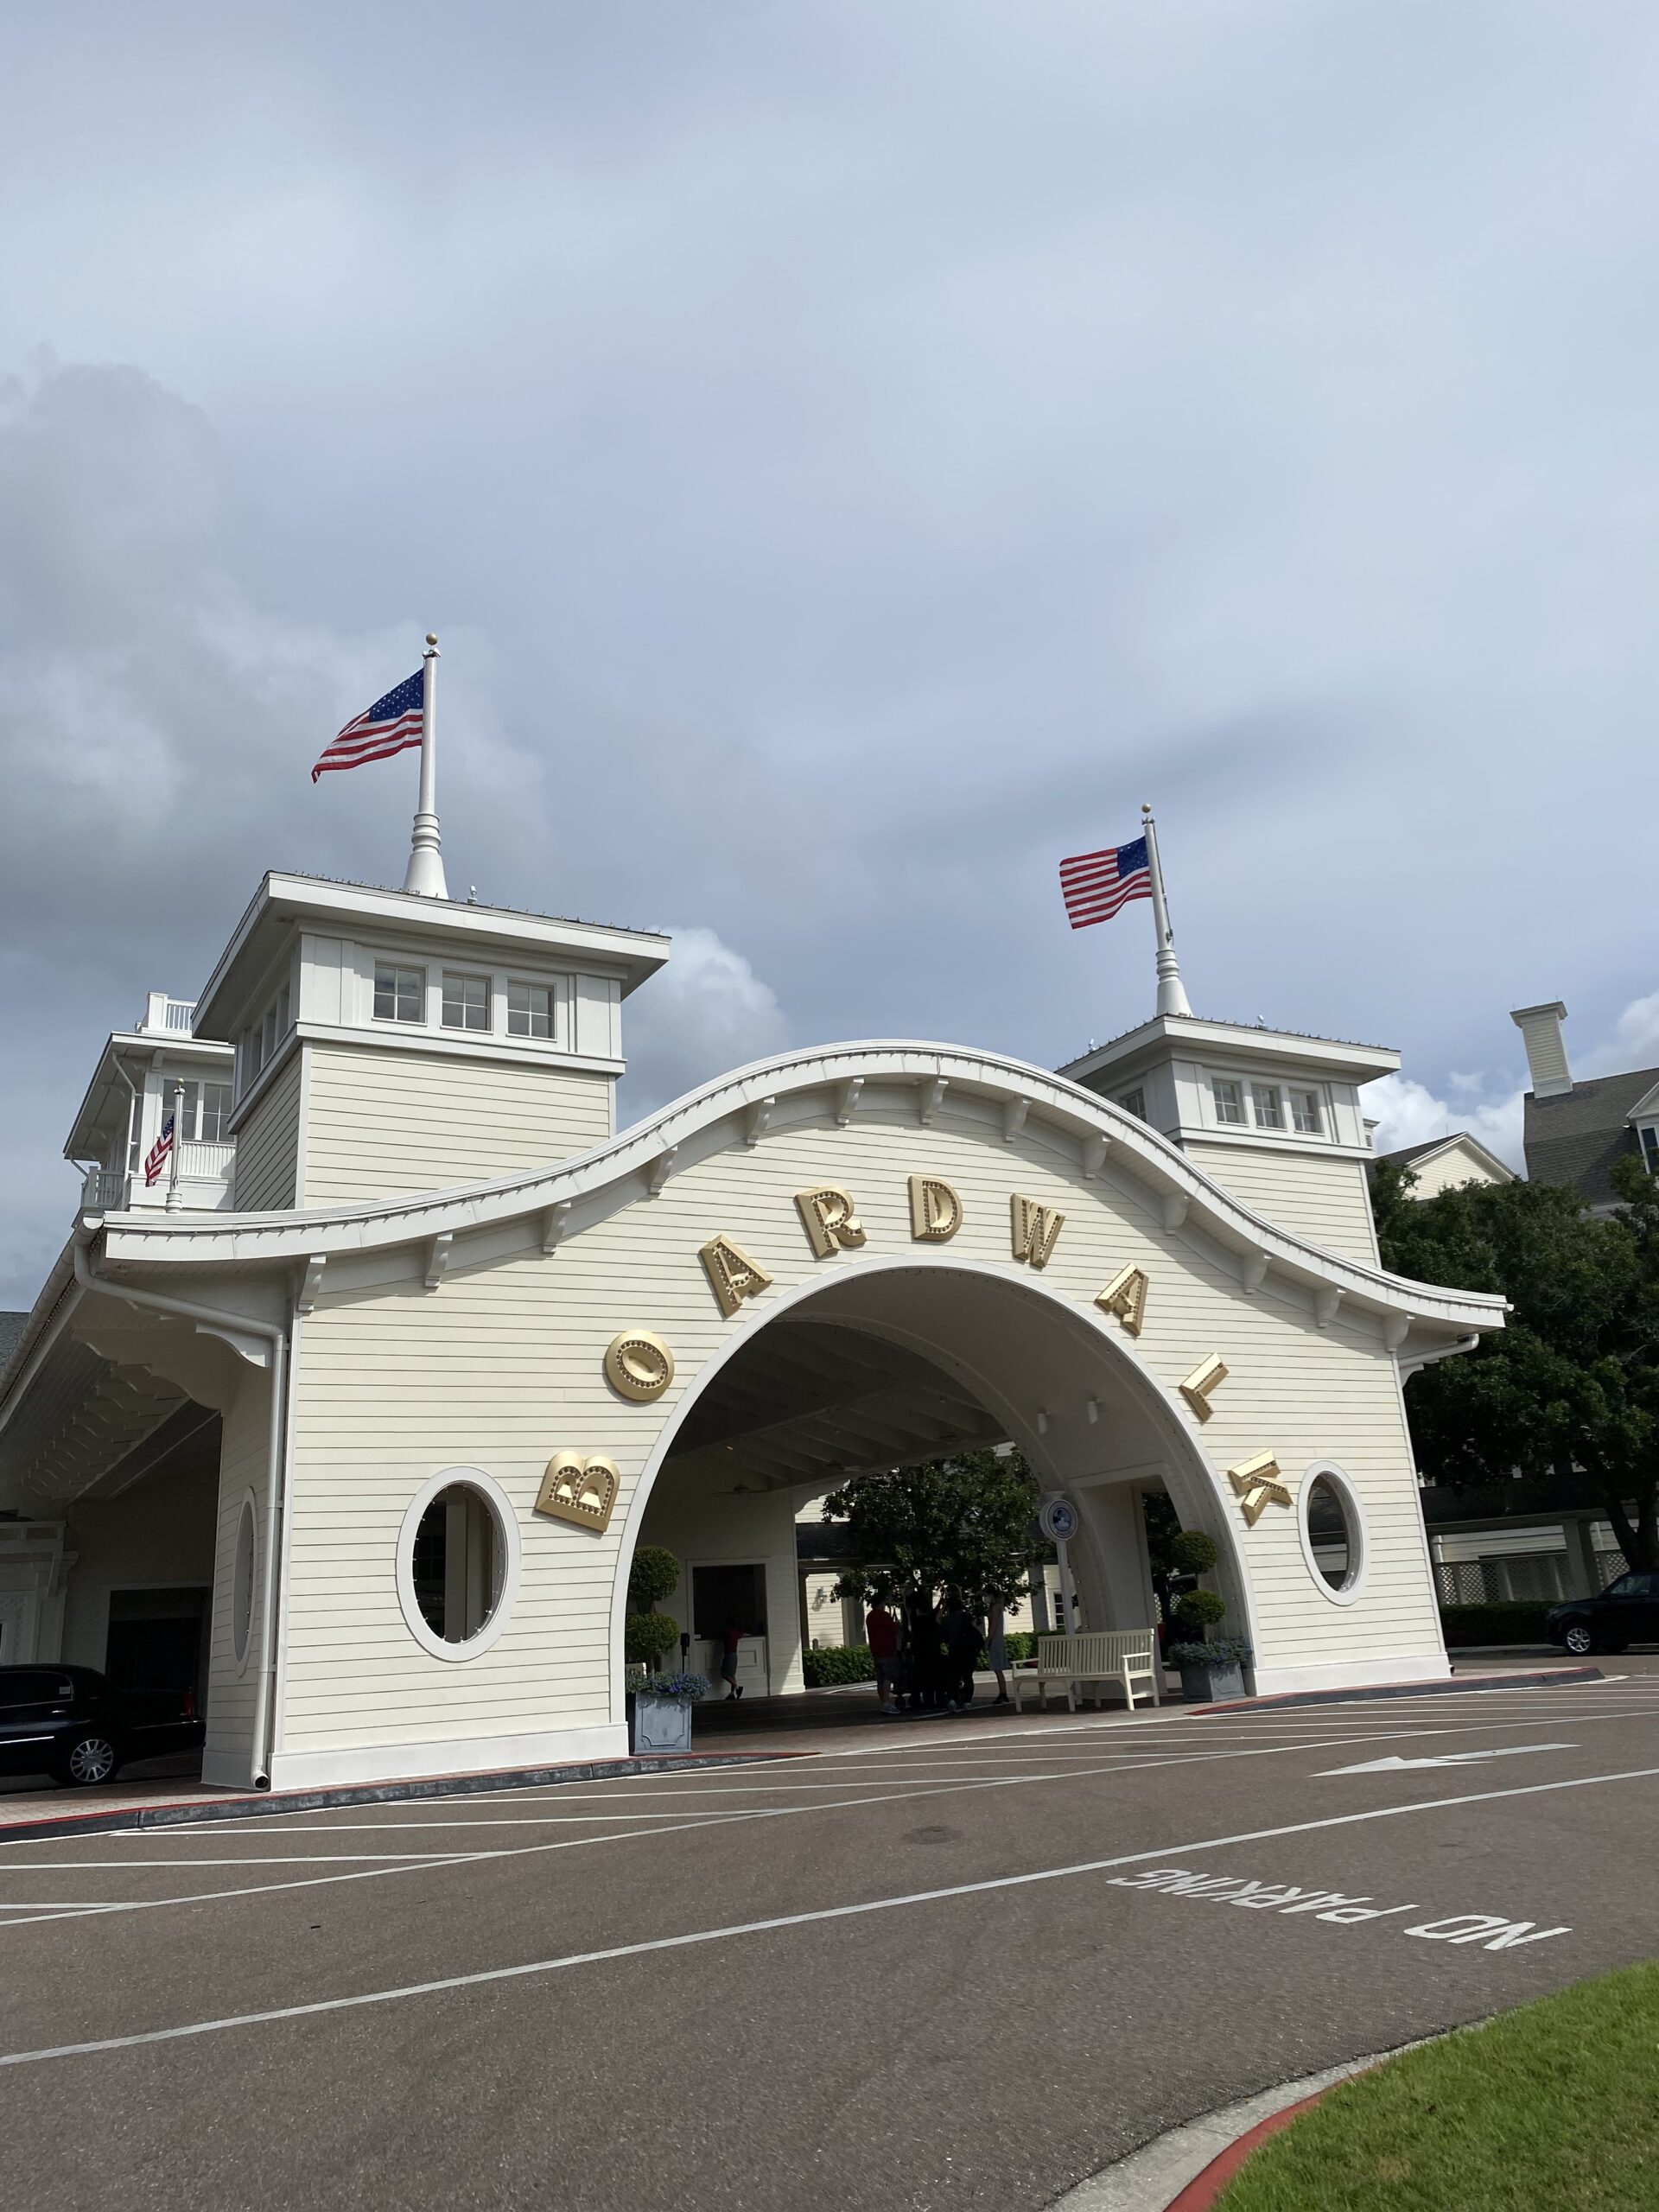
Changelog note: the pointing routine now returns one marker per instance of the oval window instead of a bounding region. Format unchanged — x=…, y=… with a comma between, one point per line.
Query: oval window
x=1333, y=1542
x=458, y=1564
x=242, y=1582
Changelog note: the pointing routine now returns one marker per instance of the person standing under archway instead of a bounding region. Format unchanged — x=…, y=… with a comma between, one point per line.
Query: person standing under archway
x=881, y=1633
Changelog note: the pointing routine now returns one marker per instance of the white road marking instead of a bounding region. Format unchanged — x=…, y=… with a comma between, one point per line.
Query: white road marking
x=414, y=1863
x=537, y=1967
x=1447, y=1759
x=389, y=1862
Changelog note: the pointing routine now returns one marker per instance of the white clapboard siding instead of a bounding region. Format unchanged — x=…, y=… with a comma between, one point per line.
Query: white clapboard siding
x=382, y=1124
x=501, y=1365
x=1327, y=1201
x=268, y=1146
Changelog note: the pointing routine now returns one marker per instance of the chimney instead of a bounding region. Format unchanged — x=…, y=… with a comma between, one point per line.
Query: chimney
x=1540, y=1026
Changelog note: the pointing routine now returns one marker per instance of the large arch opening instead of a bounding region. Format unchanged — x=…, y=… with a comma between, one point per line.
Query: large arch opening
x=886, y=1363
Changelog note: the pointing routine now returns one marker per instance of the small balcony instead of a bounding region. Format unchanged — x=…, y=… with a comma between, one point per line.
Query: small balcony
x=204, y=1184
x=166, y=1017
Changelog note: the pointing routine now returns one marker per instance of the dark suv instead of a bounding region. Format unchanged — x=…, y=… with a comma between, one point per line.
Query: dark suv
x=71, y=1723
x=1626, y=1612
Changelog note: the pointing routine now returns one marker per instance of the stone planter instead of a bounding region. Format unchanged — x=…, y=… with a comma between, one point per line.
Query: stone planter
x=1216, y=1684
x=659, y=1724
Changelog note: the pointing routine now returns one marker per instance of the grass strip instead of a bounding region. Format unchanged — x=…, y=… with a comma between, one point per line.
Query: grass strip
x=1555, y=2106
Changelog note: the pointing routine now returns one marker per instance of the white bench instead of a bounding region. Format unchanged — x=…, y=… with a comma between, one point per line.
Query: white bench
x=1124, y=1657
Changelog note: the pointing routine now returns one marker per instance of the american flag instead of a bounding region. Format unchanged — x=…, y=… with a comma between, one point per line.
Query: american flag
x=1096, y=885
x=156, y=1158
x=391, y=725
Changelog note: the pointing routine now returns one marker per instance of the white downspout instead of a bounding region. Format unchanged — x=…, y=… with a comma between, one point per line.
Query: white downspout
x=277, y=1339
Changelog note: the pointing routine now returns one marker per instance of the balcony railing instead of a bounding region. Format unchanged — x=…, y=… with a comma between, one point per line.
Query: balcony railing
x=174, y=1016
x=205, y=1173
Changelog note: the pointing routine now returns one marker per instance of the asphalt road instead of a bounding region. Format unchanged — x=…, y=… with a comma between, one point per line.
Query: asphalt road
x=954, y=1963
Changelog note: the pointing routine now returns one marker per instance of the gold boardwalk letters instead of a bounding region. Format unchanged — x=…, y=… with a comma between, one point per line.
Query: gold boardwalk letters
x=733, y=1275
x=935, y=1211
x=579, y=1489
x=828, y=1218
x=1034, y=1229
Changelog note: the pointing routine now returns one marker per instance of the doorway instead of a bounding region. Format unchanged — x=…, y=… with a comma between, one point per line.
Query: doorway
x=158, y=1641
x=721, y=1593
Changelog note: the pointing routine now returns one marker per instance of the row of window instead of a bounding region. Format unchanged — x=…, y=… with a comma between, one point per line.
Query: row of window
x=400, y=995
x=1269, y=1105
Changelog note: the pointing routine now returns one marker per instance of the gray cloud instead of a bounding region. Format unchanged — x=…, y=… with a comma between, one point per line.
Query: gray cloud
x=854, y=456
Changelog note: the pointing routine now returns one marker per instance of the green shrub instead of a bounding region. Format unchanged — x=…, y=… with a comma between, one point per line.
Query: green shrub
x=1200, y=1609
x=647, y=1635
x=1499, y=1624
x=837, y=1662
x=1191, y=1551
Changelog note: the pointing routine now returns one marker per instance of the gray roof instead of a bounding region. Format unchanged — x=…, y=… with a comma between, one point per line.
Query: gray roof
x=1407, y=1153
x=11, y=1335
x=1575, y=1138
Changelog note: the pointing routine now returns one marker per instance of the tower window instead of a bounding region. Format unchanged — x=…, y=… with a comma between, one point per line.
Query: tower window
x=1304, y=1113
x=1134, y=1101
x=1269, y=1107
x=466, y=1001
x=1229, y=1098
x=399, y=994
x=530, y=1010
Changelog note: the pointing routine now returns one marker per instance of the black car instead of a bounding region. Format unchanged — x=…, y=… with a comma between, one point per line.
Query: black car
x=71, y=1723
x=1626, y=1612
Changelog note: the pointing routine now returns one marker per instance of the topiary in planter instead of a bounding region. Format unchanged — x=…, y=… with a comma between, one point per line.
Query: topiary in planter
x=646, y=1635
x=1192, y=1553
x=1199, y=1609
x=654, y=1575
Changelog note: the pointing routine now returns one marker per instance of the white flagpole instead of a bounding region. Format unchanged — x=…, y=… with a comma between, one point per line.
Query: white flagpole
x=424, y=873
x=1172, y=992
x=174, y=1196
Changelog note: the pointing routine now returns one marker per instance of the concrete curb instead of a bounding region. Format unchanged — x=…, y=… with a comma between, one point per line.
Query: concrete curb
x=1202, y=2194
x=186, y=1812
x=1186, y=2168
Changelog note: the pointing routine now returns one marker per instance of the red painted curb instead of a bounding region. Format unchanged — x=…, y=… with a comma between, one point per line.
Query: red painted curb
x=1203, y=2190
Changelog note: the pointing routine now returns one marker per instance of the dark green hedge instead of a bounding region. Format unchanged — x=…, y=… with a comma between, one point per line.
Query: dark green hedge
x=851, y=1662
x=1500, y=1624
x=837, y=1662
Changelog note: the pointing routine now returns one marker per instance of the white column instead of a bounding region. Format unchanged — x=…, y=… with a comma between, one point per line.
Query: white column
x=1582, y=1576
x=1172, y=992
x=424, y=874
x=174, y=1196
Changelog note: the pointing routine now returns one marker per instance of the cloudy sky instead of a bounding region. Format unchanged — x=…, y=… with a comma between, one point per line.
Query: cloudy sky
x=854, y=455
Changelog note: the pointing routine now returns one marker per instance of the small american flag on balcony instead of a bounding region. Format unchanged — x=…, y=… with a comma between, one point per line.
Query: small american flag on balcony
x=158, y=1154
x=391, y=725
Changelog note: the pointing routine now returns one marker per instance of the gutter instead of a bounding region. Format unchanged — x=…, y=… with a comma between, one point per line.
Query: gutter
x=213, y=1322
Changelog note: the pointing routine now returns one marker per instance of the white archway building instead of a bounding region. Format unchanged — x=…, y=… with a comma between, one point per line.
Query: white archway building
x=435, y=1303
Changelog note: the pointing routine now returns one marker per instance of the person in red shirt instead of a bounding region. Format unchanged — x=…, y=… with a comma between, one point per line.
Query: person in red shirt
x=881, y=1631
x=732, y=1637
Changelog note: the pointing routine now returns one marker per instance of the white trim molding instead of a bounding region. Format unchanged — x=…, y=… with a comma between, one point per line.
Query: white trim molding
x=1353, y=1514
x=421, y=1760
x=499, y=1218
x=507, y=1590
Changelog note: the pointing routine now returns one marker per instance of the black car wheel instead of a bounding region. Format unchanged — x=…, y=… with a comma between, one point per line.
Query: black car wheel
x=1580, y=1639
x=91, y=1759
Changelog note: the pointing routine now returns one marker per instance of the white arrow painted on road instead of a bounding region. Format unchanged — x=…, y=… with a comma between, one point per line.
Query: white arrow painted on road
x=1451, y=1759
